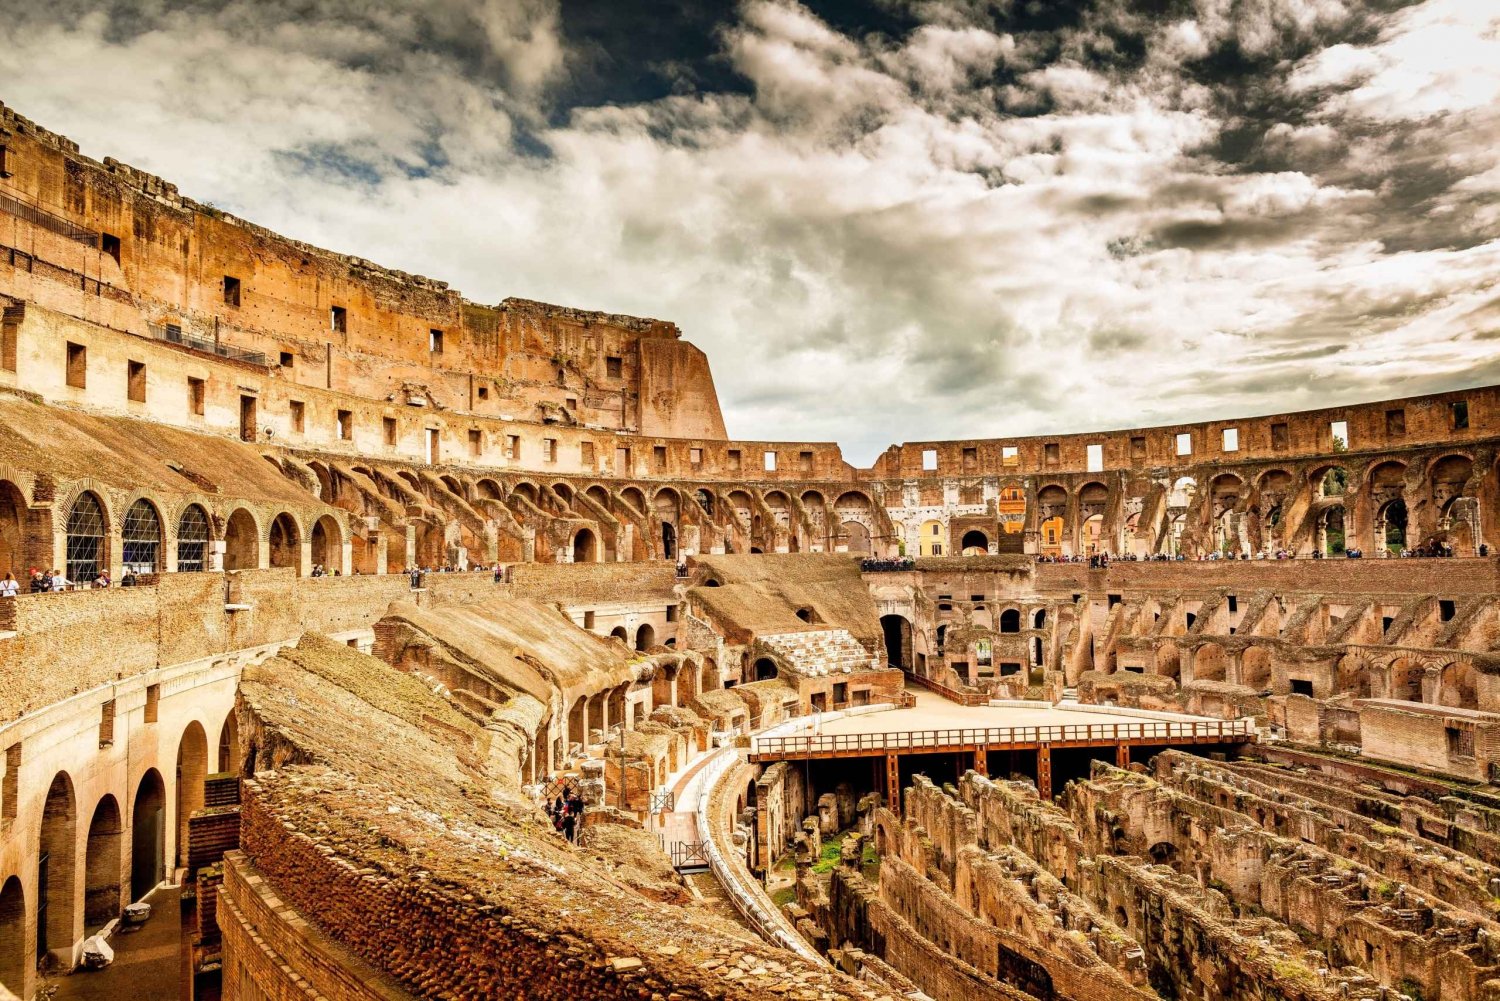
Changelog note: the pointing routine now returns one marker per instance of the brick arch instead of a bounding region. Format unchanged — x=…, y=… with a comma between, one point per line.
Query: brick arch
x=63, y=503
x=243, y=537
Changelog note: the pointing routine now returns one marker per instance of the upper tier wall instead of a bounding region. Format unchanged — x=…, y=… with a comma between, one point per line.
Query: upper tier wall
x=326, y=319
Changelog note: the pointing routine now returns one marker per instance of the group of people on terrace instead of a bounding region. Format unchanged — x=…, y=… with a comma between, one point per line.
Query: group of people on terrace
x=55, y=581
x=419, y=574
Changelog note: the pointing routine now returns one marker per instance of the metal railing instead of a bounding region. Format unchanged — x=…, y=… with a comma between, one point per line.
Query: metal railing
x=1062, y=734
x=48, y=221
x=173, y=334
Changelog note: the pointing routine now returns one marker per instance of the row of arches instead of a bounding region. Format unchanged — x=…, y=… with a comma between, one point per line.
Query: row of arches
x=149, y=543
x=92, y=859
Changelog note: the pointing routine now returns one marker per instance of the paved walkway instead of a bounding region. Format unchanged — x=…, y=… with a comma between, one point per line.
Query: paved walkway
x=148, y=961
x=933, y=712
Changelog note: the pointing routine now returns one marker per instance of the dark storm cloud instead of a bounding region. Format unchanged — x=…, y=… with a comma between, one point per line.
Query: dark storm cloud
x=884, y=220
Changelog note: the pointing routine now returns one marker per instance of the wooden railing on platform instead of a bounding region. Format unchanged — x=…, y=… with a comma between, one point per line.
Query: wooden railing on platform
x=1058, y=735
x=951, y=694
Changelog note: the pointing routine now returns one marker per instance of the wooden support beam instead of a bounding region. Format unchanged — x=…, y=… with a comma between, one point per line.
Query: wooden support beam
x=1044, y=772
x=982, y=761
x=893, y=782
x=1122, y=756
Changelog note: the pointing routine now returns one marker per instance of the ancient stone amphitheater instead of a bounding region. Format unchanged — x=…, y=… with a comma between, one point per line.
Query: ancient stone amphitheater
x=837, y=732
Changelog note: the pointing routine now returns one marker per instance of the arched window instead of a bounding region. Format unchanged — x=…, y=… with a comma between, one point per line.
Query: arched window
x=141, y=534
x=192, y=540
x=1010, y=621
x=85, y=538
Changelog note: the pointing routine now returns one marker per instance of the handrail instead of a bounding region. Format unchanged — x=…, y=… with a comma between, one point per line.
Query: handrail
x=951, y=694
x=1053, y=734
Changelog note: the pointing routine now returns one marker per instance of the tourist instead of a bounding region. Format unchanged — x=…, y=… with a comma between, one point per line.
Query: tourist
x=102, y=580
x=130, y=579
x=57, y=582
x=9, y=586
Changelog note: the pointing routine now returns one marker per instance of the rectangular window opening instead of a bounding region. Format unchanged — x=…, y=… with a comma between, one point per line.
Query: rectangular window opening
x=1231, y=439
x=623, y=465
x=929, y=459
x=435, y=341
x=1460, y=414
x=1096, y=458
x=659, y=457
x=344, y=424
x=804, y=462
x=586, y=454
x=110, y=244
x=1338, y=431
x=549, y=449
x=433, y=454
x=388, y=429
x=247, y=418
x=78, y=365
x=1395, y=423
x=1010, y=455
x=1185, y=443
x=1447, y=609
x=732, y=459
x=287, y=360
x=338, y=319
x=1280, y=438
x=231, y=290
x=135, y=381
x=512, y=447
x=695, y=456
x=299, y=415
x=1052, y=453
x=484, y=392
x=476, y=443
x=770, y=462
x=197, y=391
x=613, y=367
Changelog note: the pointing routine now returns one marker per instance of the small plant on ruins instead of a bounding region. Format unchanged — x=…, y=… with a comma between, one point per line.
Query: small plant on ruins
x=1385, y=889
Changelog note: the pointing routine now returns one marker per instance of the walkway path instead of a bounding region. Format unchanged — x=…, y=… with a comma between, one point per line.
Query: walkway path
x=148, y=961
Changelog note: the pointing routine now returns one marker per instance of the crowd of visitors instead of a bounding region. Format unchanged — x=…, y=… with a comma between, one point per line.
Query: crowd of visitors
x=566, y=812
x=892, y=565
x=419, y=574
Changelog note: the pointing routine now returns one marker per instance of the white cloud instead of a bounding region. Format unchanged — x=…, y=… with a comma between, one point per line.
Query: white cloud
x=879, y=241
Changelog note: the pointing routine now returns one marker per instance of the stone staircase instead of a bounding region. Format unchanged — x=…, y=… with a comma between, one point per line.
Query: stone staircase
x=820, y=652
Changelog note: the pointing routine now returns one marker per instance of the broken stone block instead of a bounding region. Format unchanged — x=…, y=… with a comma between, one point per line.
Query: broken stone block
x=136, y=914
x=97, y=954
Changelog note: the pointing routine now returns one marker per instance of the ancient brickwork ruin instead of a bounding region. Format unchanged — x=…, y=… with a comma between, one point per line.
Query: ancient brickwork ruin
x=359, y=581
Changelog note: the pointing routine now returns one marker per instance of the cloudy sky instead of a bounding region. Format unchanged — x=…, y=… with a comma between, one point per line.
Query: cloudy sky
x=884, y=220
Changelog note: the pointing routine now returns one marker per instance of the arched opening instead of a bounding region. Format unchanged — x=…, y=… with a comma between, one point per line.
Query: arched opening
x=192, y=540
x=805, y=614
x=56, y=872
x=1255, y=668
x=708, y=676
x=585, y=547
x=664, y=685
x=13, y=937
x=765, y=669
x=229, y=743
x=85, y=548
x=1051, y=532
x=327, y=543
x=286, y=542
x=1010, y=621
x=668, y=541
x=1209, y=663
x=705, y=501
x=12, y=529
x=1456, y=686
x=1039, y=619
x=1093, y=533
x=974, y=543
x=103, y=863
x=1393, y=526
x=1163, y=853
x=141, y=538
x=192, y=769
x=241, y=541
x=148, y=835
x=1331, y=530
x=897, y=632
x=857, y=537
x=645, y=637
x=1406, y=680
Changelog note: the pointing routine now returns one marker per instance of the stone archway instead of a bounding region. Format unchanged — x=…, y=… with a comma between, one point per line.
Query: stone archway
x=57, y=872
x=898, y=641
x=148, y=835
x=585, y=547
x=229, y=743
x=328, y=544
x=645, y=637
x=12, y=530
x=13, y=964
x=286, y=542
x=103, y=864
x=241, y=541
x=192, y=770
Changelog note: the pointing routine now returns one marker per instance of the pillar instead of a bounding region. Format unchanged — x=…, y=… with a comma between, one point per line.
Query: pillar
x=1044, y=772
x=1122, y=756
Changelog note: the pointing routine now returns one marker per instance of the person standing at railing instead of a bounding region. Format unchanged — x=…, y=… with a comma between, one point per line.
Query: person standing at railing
x=9, y=586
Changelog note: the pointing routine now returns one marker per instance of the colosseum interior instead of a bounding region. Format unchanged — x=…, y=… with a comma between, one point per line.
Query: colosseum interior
x=835, y=732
